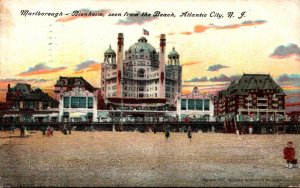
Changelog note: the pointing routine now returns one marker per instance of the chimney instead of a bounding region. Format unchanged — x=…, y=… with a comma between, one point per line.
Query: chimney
x=120, y=41
x=120, y=64
x=162, y=43
x=162, y=76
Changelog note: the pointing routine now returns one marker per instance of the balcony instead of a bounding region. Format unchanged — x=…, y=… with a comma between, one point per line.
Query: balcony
x=262, y=104
x=262, y=99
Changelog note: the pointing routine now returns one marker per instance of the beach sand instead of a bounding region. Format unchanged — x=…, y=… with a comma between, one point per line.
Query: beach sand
x=145, y=159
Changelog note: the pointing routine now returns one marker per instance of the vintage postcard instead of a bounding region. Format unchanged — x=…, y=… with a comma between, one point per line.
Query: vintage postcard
x=149, y=93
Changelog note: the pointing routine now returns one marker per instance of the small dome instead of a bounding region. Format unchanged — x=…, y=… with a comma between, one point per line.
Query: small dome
x=109, y=51
x=173, y=53
x=141, y=46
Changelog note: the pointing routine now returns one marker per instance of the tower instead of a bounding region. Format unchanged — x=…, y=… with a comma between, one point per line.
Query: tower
x=162, y=51
x=174, y=75
x=120, y=64
x=173, y=57
x=110, y=56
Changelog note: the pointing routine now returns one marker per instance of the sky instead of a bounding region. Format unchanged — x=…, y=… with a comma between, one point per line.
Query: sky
x=260, y=37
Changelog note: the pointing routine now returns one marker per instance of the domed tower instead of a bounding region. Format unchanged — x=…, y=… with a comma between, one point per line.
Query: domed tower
x=173, y=57
x=173, y=78
x=110, y=56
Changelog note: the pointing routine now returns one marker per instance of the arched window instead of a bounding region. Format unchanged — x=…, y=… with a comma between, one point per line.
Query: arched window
x=141, y=73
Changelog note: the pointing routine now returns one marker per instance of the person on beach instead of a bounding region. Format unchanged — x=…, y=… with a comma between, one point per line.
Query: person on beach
x=22, y=129
x=12, y=129
x=167, y=134
x=212, y=129
x=48, y=131
x=187, y=119
x=289, y=154
x=250, y=129
x=51, y=131
x=43, y=131
x=189, y=133
x=69, y=129
x=154, y=129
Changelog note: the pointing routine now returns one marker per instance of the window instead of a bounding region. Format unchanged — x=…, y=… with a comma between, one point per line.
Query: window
x=66, y=102
x=183, y=104
x=191, y=104
x=74, y=102
x=199, y=104
x=90, y=102
x=78, y=102
x=206, y=104
x=82, y=102
x=141, y=73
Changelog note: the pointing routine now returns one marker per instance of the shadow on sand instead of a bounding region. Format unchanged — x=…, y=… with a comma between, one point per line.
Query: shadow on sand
x=15, y=136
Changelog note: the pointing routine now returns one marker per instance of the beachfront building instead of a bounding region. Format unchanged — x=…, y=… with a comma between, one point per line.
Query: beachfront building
x=253, y=95
x=140, y=79
x=77, y=99
x=26, y=104
x=199, y=107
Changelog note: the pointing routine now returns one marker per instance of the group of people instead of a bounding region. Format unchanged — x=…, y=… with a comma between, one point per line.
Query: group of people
x=66, y=129
x=189, y=133
x=48, y=131
x=23, y=130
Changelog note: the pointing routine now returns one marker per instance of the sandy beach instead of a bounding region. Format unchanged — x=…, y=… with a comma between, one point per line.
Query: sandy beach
x=145, y=159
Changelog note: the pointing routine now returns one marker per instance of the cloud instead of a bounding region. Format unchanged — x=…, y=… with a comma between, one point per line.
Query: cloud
x=89, y=65
x=197, y=79
x=7, y=80
x=83, y=13
x=243, y=24
x=139, y=20
x=282, y=52
x=190, y=63
x=186, y=33
x=289, y=78
x=224, y=78
x=216, y=67
x=220, y=78
x=200, y=28
x=41, y=68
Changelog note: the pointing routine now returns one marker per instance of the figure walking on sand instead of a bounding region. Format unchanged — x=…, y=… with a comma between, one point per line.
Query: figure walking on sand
x=12, y=129
x=48, y=131
x=22, y=129
x=289, y=154
x=43, y=131
x=189, y=133
x=167, y=135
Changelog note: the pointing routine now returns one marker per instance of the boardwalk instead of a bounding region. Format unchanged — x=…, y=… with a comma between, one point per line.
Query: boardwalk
x=145, y=159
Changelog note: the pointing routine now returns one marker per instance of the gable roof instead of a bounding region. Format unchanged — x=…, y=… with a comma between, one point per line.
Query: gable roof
x=252, y=82
x=71, y=82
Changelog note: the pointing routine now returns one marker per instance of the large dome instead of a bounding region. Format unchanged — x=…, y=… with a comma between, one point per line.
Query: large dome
x=141, y=46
